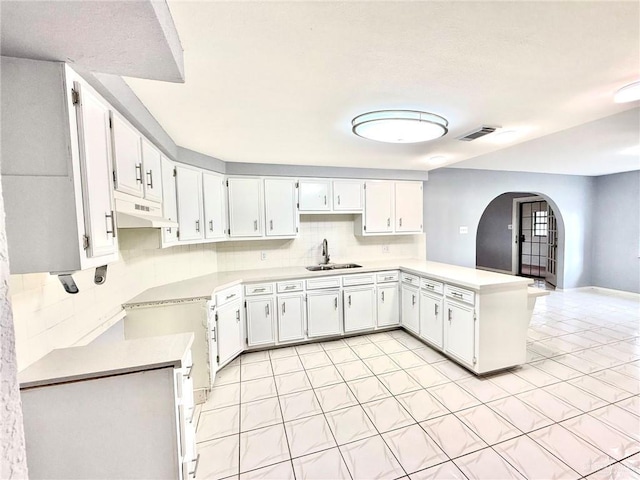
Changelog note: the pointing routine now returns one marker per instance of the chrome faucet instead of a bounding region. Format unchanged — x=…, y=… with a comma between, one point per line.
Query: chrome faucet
x=325, y=251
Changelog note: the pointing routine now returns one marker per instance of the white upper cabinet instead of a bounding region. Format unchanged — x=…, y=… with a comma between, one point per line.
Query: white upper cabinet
x=315, y=195
x=408, y=207
x=169, y=201
x=56, y=169
x=189, y=191
x=127, y=157
x=281, y=212
x=246, y=210
x=348, y=195
x=152, y=170
x=379, y=207
x=215, y=211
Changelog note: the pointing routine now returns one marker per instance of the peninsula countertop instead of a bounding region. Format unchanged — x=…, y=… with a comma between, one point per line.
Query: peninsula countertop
x=96, y=361
x=204, y=286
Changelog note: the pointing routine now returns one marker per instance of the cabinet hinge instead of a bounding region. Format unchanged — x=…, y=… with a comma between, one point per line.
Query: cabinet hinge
x=298, y=205
x=229, y=231
x=175, y=172
x=365, y=228
x=114, y=177
x=75, y=96
x=246, y=340
x=216, y=317
x=245, y=304
x=85, y=242
x=296, y=229
x=297, y=184
x=227, y=182
x=110, y=123
x=475, y=318
x=178, y=233
x=217, y=358
x=365, y=186
x=475, y=360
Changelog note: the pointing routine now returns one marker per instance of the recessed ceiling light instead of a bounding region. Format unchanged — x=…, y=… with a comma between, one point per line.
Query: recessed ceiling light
x=505, y=136
x=437, y=160
x=399, y=126
x=635, y=150
x=628, y=93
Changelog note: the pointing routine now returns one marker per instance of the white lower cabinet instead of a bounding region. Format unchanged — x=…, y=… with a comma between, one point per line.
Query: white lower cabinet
x=229, y=329
x=291, y=317
x=359, y=308
x=388, y=305
x=324, y=313
x=459, y=331
x=431, y=324
x=260, y=321
x=410, y=309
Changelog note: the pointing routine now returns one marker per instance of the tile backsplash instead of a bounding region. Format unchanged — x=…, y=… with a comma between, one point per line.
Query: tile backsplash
x=46, y=317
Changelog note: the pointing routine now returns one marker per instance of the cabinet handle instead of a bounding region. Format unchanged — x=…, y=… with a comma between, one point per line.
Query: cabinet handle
x=214, y=333
x=400, y=221
x=260, y=289
x=284, y=310
x=338, y=199
x=335, y=301
x=435, y=309
x=238, y=315
x=211, y=225
x=289, y=287
x=325, y=199
x=413, y=299
x=429, y=286
x=457, y=295
x=255, y=225
x=113, y=224
x=349, y=300
x=150, y=179
x=230, y=296
x=383, y=296
x=138, y=171
x=450, y=314
x=188, y=375
x=388, y=278
x=408, y=279
x=197, y=225
x=270, y=224
x=266, y=307
x=195, y=469
x=389, y=222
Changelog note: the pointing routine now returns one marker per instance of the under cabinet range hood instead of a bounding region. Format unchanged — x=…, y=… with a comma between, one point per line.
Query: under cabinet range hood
x=135, y=212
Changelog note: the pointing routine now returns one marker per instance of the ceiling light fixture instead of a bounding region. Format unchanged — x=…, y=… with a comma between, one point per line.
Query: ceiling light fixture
x=399, y=126
x=628, y=93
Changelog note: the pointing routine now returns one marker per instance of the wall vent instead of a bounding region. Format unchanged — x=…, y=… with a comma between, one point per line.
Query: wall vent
x=477, y=133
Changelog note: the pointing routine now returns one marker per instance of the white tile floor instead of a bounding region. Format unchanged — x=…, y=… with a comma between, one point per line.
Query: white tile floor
x=386, y=406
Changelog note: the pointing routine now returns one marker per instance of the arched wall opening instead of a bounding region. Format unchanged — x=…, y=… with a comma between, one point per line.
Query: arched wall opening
x=522, y=233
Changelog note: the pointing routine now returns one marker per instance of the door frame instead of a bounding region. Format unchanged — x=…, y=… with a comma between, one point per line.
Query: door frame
x=515, y=228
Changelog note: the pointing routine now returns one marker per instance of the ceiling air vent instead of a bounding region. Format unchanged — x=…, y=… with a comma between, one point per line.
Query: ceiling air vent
x=477, y=133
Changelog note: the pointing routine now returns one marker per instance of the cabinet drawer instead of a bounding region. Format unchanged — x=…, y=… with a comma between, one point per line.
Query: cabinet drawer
x=364, y=279
x=461, y=294
x=228, y=295
x=292, y=286
x=410, y=279
x=328, y=282
x=258, y=289
x=384, y=277
x=432, y=285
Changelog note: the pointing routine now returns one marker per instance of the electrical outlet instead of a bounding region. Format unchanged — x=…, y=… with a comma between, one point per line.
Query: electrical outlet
x=385, y=248
x=464, y=230
x=509, y=227
x=263, y=255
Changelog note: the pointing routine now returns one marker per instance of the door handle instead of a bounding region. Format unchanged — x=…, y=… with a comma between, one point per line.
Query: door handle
x=400, y=221
x=139, y=171
x=335, y=301
x=270, y=224
x=197, y=225
x=389, y=222
x=211, y=225
x=450, y=314
x=349, y=300
x=150, y=179
x=413, y=300
x=325, y=199
x=338, y=199
x=383, y=296
x=214, y=333
x=267, y=309
x=283, y=308
x=255, y=225
x=113, y=224
x=238, y=315
x=435, y=309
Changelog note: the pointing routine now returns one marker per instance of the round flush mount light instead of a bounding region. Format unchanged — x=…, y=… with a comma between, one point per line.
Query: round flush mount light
x=628, y=93
x=399, y=126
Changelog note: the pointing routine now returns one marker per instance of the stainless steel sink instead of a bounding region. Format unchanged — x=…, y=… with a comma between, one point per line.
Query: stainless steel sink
x=337, y=266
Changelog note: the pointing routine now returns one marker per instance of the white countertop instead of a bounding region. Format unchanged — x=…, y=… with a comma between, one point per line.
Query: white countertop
x=203, y=287
x=95, y=361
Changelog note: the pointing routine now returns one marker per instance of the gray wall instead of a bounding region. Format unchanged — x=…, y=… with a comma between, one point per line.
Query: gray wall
x=494, y=240
x=616, y=232
x=458, y=197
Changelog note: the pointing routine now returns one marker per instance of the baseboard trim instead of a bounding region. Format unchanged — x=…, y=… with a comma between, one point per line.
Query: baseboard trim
x=611, y=291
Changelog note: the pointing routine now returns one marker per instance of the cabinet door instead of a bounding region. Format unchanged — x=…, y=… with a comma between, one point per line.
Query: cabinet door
x=281, y=212
x=410, y=309
x=431, y=325
x=213, y=193
x=229, y=331
x=378, y=207
x=323, y=313
x=212, y=337
x=245, y=207
x=290, y=317
x=127, y=158
x=347, y=195
x=359, y=308
x=408, y=206
x=151, y=166
x=95, y=165
x=388, y=305
x=259, y=321
x=459, y=332
x=315, y=195
x=189, y=192
x=169, y=201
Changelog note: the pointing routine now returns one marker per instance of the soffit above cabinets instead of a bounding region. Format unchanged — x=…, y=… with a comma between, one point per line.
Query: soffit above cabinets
x=284, y=91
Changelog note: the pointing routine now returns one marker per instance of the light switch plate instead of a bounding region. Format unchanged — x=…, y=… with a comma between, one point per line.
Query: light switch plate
x=464, y=230
x=509, y=227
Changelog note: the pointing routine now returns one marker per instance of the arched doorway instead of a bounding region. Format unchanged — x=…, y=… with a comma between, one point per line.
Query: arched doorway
x=519, y=233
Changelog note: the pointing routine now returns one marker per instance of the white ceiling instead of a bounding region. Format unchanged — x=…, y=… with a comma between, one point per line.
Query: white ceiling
x=279, y=82
x=136, y=38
